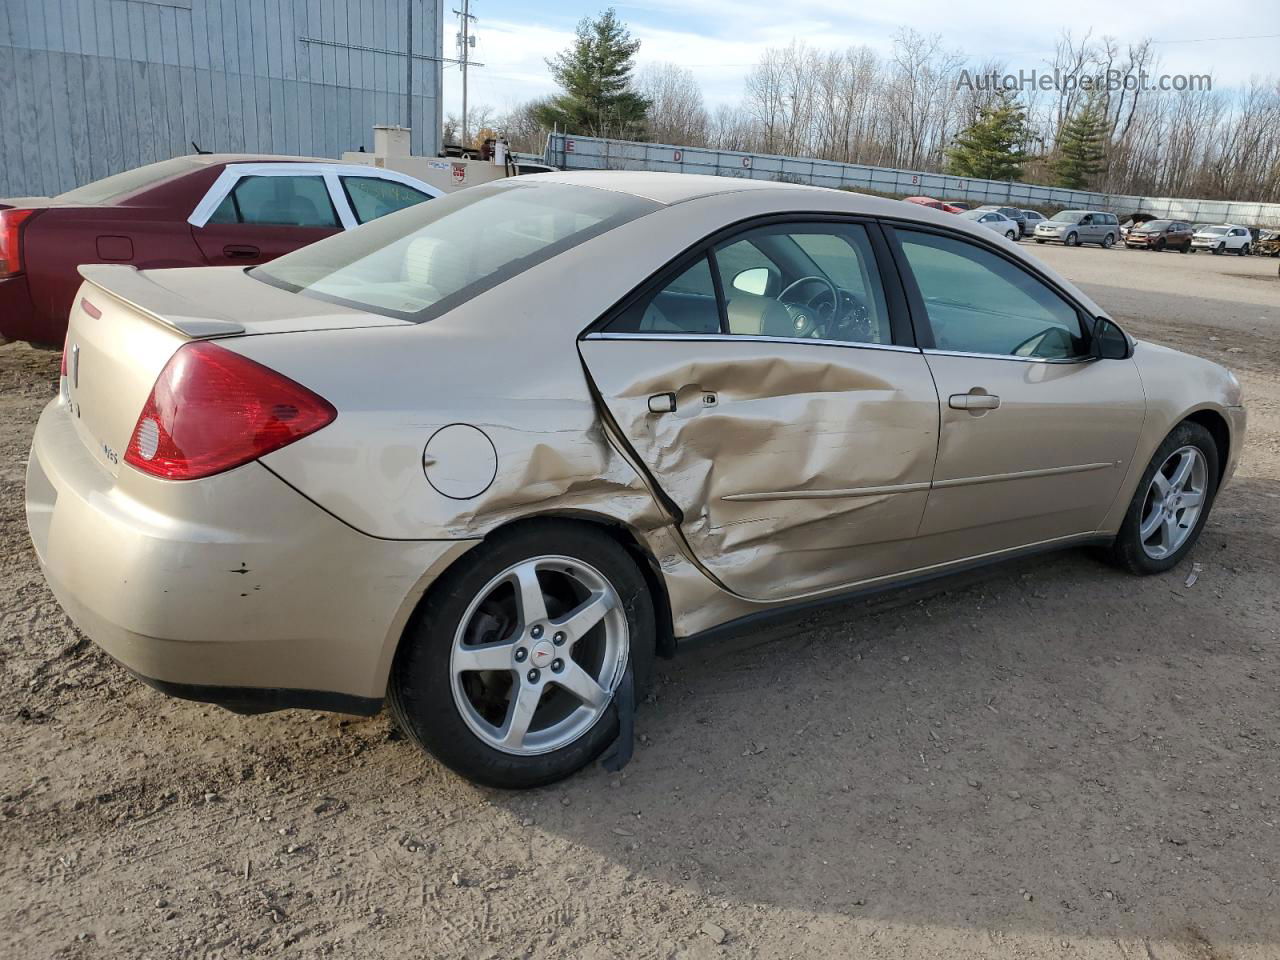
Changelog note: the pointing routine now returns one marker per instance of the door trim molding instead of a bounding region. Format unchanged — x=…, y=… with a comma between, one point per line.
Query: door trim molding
x=1025, y=474
x=849, y=492
x=751, y=338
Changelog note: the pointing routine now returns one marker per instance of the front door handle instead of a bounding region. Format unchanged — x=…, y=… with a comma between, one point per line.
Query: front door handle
x=662, y=403
x=241, y=251
x=973, y=401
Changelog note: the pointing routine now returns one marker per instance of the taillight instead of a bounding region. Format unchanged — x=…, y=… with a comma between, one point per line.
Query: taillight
x=11, y=221
x=212, y=409
x=66, y=343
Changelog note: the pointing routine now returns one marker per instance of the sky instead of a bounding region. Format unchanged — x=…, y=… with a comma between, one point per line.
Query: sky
x=719, y=40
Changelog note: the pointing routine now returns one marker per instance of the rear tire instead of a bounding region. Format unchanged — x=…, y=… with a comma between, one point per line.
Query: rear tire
x=477, y=657
x=1157, y=499
x=1108, y=241
x=1244, y=251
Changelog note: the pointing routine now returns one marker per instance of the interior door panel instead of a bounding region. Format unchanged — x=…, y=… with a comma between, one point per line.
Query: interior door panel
x=797, y=466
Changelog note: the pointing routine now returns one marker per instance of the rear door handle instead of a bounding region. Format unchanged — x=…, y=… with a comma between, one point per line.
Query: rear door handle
x=241, y=251
x=973, y=401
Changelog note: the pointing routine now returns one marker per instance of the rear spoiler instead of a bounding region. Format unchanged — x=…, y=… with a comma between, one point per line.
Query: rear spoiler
x=132, y=288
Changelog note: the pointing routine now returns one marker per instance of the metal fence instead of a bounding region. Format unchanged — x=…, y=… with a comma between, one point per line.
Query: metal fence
x=596, y=153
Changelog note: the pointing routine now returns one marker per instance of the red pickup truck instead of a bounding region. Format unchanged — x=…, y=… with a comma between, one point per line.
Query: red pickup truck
x=203, y=210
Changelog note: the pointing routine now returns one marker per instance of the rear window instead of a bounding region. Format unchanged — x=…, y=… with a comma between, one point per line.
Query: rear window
x=122, y=185
x=422, y=262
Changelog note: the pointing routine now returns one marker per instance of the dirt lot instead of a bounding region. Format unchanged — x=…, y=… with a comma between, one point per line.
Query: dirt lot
x=1051, y=760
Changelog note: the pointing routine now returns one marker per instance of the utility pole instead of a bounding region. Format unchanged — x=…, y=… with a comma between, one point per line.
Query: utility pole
x=466, y=41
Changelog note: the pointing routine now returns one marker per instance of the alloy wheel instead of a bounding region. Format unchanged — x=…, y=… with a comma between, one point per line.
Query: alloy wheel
x=1174, y=501
x=538, y=655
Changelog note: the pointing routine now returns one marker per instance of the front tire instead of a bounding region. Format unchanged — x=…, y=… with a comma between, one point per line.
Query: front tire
x=509, y=667
x=1072, y=240
x=1171, y=504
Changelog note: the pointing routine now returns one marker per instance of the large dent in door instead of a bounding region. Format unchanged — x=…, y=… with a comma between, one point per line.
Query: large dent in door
x=796, y=468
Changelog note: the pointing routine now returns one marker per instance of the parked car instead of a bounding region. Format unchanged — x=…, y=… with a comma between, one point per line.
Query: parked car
x=1160, y=235
x=992, y=221
x=1013, y=213
x=1224, y=238
x=189, y=211
x=935, y=204
x=1030, y=219
x=700, y=402
x=1134, y=220
x=1268, y=243
x=1074, y=227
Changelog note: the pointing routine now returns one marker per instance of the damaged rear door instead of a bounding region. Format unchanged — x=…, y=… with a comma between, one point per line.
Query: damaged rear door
x=770, y=386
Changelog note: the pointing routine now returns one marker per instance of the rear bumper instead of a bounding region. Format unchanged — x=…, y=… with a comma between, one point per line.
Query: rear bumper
x=234, y=589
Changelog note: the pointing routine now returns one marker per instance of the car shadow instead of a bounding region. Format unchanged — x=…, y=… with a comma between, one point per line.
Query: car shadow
x=1051, y=746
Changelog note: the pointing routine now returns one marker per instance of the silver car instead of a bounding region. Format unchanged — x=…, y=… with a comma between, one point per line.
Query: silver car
x=1074, y=227
x=993, y=220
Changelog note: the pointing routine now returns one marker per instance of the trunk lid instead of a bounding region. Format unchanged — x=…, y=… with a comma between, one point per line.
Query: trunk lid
x=125, y=325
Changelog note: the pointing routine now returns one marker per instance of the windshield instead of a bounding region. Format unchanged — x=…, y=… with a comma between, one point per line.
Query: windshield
x=1067, y=216
x=1154, y=225
x=425, y=260
x=130, y=182
x=973, y=214
x=1214, y=230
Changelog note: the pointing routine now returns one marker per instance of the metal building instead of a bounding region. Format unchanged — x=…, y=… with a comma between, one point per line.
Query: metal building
x=92, y=87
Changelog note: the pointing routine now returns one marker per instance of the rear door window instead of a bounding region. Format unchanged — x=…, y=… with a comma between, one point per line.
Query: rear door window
x=291, y=201
x=373, y=197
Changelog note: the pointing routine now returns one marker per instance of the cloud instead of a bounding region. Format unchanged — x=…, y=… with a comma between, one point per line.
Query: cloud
x=719, y=40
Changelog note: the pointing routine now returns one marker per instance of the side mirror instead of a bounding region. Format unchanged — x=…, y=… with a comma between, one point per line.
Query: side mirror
x=1109, y=341
x=757, y=280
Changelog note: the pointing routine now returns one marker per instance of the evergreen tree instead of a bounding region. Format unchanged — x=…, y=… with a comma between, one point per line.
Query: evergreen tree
x=1082, y=148
x=595, y=74
x=991, y=147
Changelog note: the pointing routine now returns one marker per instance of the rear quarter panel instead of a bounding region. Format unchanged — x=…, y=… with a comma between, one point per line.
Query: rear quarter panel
x=147, y=230
x=62, y=238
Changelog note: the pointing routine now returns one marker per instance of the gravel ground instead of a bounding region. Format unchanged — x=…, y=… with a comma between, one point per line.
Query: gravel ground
x=1051, y=759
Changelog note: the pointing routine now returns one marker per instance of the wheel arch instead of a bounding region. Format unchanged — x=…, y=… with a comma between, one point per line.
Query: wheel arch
x=630, y=541
x=616, y=530
x=1219, y=429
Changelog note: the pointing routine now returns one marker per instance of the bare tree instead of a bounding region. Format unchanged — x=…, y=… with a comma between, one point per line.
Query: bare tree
x=676, y=111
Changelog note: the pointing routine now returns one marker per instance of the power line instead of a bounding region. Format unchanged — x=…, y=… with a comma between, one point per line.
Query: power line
x=1256, y=36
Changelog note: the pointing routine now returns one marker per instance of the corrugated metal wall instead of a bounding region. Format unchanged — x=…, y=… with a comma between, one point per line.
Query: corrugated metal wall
x=92, y=87
x=571, y=152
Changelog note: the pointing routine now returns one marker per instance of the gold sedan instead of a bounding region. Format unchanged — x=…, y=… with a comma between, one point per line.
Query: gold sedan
x=488, y=457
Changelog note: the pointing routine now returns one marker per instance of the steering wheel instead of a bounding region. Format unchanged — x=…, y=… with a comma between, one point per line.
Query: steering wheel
x=803, y=316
